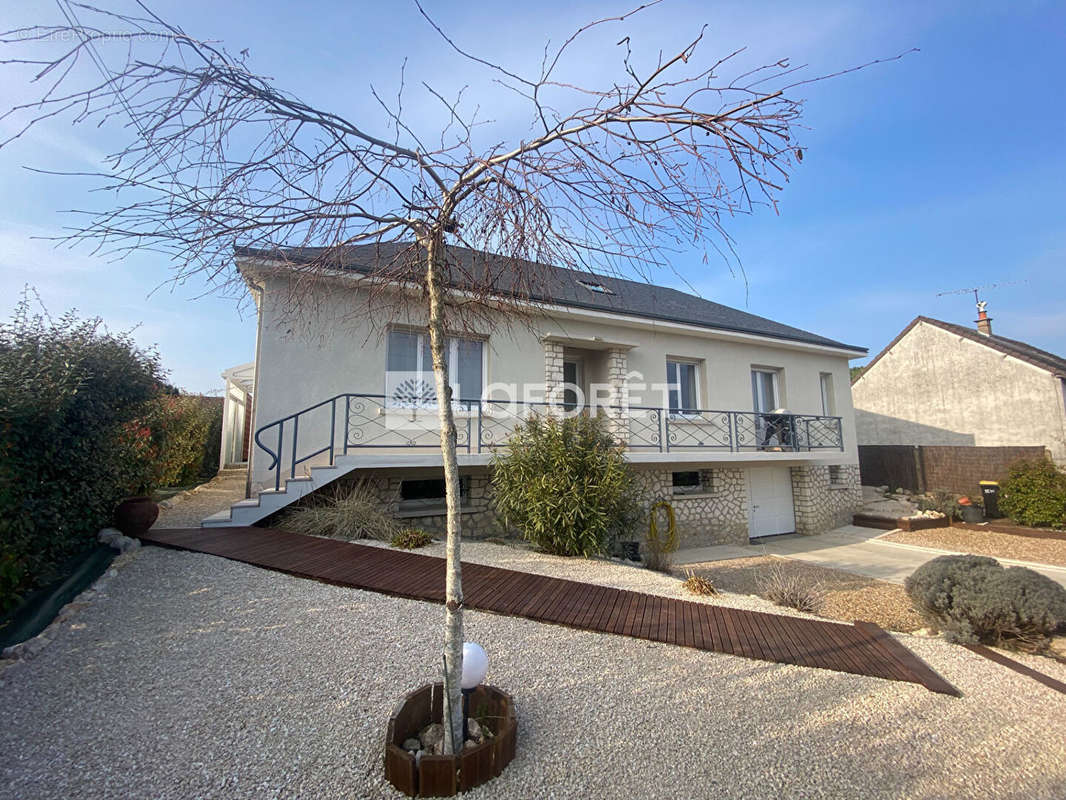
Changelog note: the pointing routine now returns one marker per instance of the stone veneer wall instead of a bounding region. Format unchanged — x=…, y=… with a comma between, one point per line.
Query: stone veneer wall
x=553, y=370
x=718, y=515
x=820, y=504
x=478, y=519
x=618, y=401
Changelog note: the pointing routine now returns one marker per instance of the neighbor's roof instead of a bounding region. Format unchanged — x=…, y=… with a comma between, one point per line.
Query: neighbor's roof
x=1054, y=364
x=561, y=286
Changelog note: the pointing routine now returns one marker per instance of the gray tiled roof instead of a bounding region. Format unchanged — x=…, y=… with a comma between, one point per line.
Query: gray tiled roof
x=557, y=285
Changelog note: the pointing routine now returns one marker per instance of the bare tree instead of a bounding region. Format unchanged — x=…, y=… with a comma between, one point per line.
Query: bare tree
x=610, y=178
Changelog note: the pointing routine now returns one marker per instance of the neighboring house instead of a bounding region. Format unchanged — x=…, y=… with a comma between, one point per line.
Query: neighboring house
x=690, y=387
x=938, y=383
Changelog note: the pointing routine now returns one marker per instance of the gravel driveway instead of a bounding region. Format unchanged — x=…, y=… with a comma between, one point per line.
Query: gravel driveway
x=987, y=543
x=193, y=676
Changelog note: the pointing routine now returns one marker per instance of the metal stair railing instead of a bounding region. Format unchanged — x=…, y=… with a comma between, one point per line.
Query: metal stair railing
x=374, y=421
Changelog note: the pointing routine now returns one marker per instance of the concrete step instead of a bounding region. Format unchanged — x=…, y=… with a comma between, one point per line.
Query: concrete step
x=268, y=501
x=218, y=520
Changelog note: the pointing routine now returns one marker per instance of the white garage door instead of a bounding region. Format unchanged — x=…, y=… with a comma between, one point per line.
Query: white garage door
x=770, y=495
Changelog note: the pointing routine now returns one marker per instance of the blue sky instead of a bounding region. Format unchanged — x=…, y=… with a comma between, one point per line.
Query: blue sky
x=942, y=170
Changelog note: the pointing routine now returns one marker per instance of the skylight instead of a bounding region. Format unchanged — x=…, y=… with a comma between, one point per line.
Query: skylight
x=595, y=287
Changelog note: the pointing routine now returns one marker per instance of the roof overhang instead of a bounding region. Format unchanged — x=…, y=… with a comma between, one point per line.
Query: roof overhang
x=260, y=267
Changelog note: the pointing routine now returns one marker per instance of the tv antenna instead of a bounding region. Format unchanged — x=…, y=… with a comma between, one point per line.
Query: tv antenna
x=975, y=289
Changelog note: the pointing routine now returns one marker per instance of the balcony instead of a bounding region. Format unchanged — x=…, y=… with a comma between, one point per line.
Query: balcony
x=369, y=423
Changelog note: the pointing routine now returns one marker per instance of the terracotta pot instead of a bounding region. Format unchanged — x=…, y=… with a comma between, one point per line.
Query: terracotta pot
x=135, y=515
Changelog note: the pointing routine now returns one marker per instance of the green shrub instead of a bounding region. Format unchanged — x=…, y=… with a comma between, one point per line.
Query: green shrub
x=73, y=442
x=947, y=503
x=974, y=599
x=565, y=485
x=411, y=539
x=12, y=577
x=1034, y=493
x=185, y=434
x=341, y=513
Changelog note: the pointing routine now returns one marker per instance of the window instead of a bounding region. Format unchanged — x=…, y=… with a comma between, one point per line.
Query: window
x=829, y=406
x=409, y=368
x=681, y=380
x=764, y=390
x=599, y=288
x=836, y=474
x=689, y=483
x=429, y=493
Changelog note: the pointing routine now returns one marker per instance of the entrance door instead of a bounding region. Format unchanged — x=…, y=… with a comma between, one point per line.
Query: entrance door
x=770, y=495
x=572, y=378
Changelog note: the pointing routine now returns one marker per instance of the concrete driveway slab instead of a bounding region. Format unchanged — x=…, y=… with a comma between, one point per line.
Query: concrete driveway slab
x=850, y=548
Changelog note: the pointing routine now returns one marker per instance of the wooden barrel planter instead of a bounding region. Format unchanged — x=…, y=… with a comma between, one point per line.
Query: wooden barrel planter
x=447, y=775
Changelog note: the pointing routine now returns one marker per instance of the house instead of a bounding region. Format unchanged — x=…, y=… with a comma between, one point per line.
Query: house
x=939, y=383
x=746, y=424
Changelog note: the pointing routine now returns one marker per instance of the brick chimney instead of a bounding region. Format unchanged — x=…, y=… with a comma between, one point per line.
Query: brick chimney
x=984, y=322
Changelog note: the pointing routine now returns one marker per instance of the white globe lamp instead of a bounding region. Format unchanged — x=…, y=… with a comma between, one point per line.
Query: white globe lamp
x=475, y=665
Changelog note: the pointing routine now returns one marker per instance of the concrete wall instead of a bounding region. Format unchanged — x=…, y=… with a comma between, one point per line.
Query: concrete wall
x=335, y=348
x=937, y=388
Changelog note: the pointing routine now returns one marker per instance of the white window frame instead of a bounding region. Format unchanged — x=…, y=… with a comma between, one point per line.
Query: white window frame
x=682, y=412
x=421, y=345
x=829, y=403
x=776, y=383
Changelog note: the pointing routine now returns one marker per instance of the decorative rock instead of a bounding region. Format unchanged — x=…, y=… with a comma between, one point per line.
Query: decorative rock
x=113, y=537
x=927, y=514
x=473, y=730
x=126, y=544
x=432, y=738
x=412, y=745
x=110, y=535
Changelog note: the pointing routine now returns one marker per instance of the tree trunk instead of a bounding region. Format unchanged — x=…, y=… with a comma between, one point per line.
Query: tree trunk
x=453, y=590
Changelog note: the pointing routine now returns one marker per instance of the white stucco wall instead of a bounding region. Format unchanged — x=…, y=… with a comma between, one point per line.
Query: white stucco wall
x=935, y=387
x=340, y=347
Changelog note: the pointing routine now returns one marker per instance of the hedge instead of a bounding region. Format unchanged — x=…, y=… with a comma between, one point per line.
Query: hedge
x=85, y=420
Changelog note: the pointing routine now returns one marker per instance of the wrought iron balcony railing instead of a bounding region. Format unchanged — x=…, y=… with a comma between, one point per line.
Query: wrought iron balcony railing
x=366, y=421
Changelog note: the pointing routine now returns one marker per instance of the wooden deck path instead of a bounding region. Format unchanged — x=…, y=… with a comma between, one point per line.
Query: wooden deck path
x=862, y=649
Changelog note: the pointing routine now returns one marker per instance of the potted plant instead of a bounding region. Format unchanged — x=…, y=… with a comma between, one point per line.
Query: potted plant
x=137, y=513
x=969, y=511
